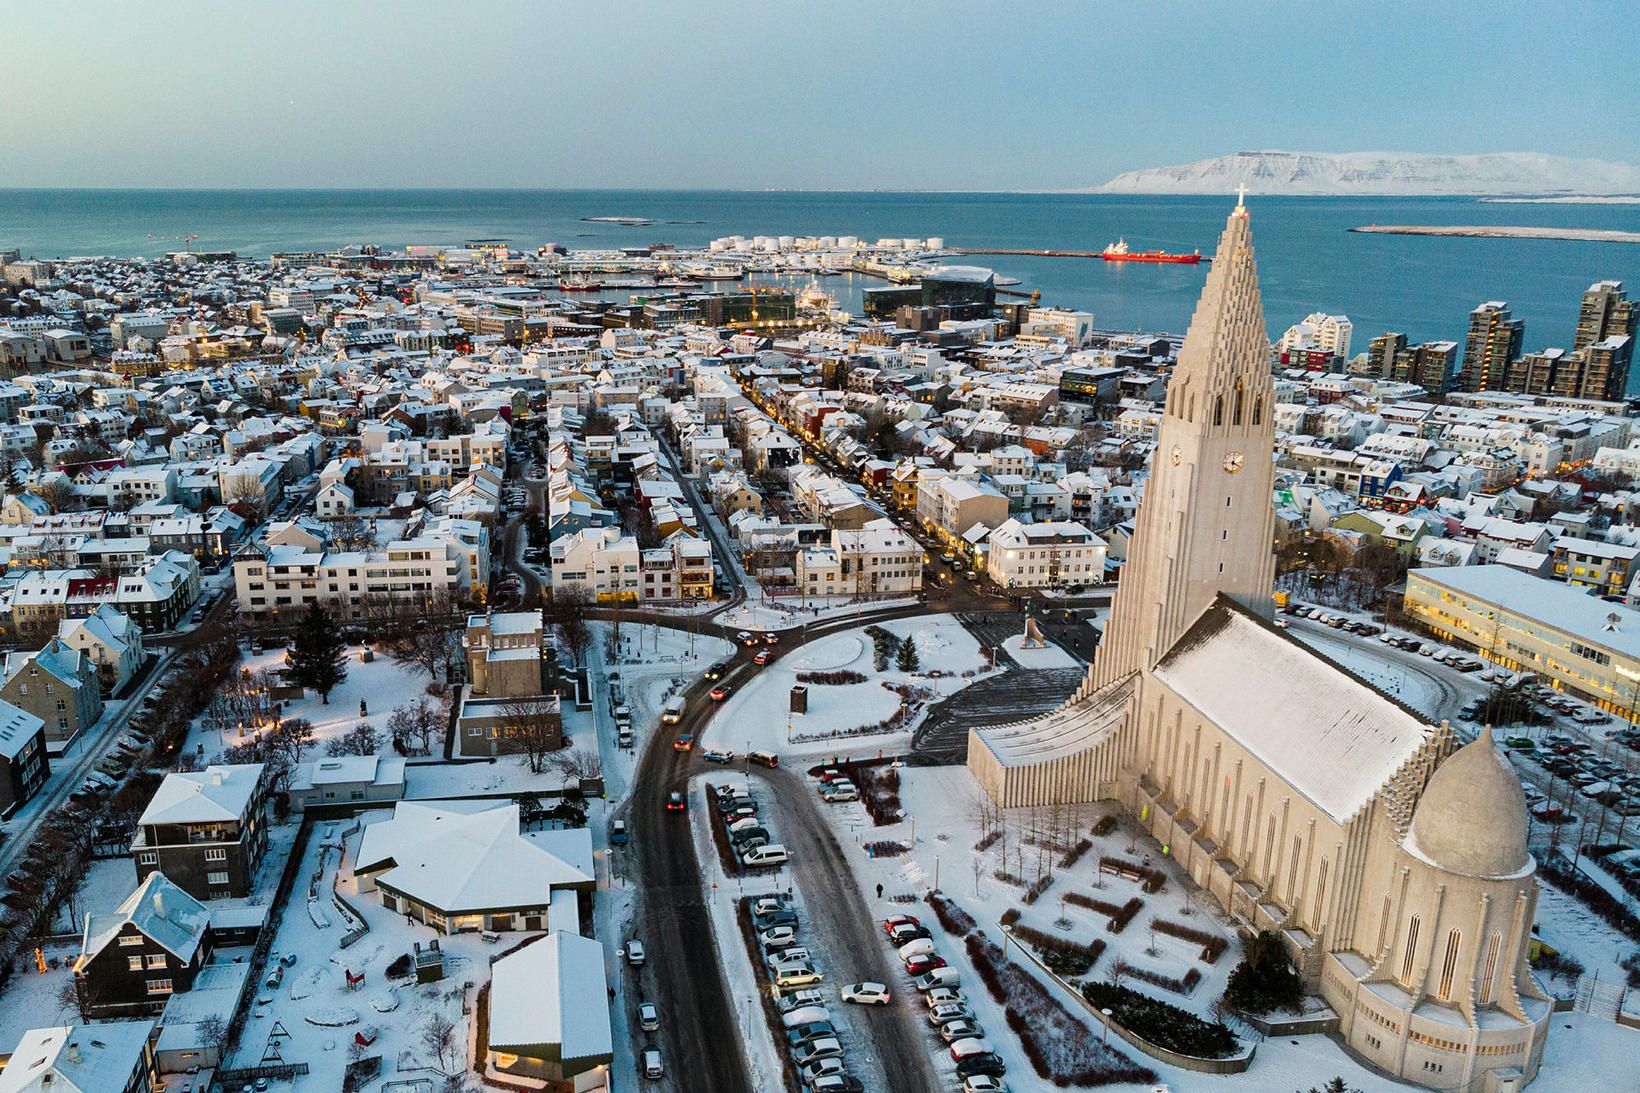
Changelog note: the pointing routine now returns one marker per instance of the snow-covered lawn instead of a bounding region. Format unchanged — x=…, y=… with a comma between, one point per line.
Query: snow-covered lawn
x=758, y=717
x=432, y=779
x=381, y=684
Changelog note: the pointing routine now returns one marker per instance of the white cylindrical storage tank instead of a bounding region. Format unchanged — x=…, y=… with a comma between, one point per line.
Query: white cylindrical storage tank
x=786, y=242
x=936, y=242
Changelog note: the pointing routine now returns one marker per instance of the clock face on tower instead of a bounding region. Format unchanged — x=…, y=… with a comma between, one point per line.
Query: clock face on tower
x=1234, y=462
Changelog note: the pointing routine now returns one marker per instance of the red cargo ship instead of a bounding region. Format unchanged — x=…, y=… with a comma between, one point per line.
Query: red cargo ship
x=1118, y=252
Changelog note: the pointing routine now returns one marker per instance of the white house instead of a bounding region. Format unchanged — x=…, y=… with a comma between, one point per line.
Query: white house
x=1049, y=555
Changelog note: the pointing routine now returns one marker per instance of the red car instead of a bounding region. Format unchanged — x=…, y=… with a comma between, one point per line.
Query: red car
x=676, y=802
x=719, y=693
x=683, y=743
x=917, y=965
x=763, y=656
x=893, y=921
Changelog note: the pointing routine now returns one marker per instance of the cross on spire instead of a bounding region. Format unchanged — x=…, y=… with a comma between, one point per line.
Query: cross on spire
x=1241, y=198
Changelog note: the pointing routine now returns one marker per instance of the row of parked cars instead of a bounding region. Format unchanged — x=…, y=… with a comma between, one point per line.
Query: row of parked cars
x=811, y=1036
x=1594, y=777
x=978, y=1064
x=748, y=837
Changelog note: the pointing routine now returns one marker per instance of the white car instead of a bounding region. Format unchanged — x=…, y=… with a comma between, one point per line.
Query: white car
x=635, y=955
x=777, y=937
x=649, y=1018
x=866, y=994
x=983, y=1083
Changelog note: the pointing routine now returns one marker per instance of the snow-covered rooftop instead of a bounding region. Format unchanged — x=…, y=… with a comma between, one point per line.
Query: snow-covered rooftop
x=1326, y=733
x=469, y=856
x=76, y=1058
x=550, y=999
x=1571, y=610
x=166, y=914
x=217, y=794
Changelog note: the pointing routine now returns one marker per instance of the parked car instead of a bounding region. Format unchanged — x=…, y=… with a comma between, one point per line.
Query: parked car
x=946, y=1012
x=779, y=917
x=901, y=934
x=893, y=921
x=767, y=856
x=839, y=792
x=810, y=1031
x=940, y=996
x=922, y=965
x=991, y=1065
x=960, y=1029
x=798, y=999
x=649, y=1018
x=983, y=1083
x=777, y=937
x=617, y=833
x=828, y=1067
x=836, y=1083
x=635, y=954
x=804, y=1015
x=866, y=994
x=652, y=1067
x=826, y=1047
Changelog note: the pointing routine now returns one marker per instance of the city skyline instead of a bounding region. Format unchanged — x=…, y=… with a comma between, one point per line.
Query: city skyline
x=736, y=96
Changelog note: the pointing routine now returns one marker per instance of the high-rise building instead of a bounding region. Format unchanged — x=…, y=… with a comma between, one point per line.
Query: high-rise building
x=1432, y=366
x=1381, y=353
x=1494, y=341
x=1607, y=312
x=1319, y=331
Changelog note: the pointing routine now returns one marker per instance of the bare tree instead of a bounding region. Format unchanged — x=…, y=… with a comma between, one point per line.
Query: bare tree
x=430, y=649
x=351, y=532
x=361, y=739
x=531, y=725
x=578, y=763
x=67, y=997
x=414, y=724
x=438, y=1036
x=58, y=494
x=246, y=497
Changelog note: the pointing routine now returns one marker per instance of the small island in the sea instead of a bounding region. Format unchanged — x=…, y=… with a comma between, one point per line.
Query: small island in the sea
x=1503, y=231
x=629, y=221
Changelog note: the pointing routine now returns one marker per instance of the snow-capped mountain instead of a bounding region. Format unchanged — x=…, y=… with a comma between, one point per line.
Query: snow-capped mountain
x=1383, y=173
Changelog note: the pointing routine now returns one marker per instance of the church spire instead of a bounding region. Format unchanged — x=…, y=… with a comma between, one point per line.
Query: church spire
x=1205, y=526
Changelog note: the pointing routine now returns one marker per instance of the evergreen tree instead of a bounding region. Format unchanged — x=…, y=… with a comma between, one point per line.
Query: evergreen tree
x=318, y=654
x=907, y=660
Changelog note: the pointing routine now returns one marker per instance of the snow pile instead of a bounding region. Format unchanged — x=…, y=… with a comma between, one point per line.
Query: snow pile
x=333, y=1017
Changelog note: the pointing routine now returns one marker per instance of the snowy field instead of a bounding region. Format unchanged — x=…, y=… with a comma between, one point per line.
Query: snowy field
x=758, y=717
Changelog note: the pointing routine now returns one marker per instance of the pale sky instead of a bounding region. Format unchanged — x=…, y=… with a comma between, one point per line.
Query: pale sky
x=817, y=94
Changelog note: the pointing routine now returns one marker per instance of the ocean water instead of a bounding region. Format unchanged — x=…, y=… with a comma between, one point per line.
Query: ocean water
x=1308, y=259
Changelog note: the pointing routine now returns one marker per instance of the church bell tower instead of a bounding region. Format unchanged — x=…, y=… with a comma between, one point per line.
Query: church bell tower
x=1205, y=524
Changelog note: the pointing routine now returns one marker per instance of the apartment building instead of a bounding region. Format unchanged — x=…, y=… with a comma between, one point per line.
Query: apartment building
x=876, y=560
x=1059, y=554
x=275, y=580
x=206, y=830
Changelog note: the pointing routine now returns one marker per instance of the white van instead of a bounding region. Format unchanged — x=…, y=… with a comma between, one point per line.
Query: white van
x=938, y=977
x=770, y=854
x=672, y=713
x=652, y=1064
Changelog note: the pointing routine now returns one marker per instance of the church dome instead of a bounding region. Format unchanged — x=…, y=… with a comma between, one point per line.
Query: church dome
x=1471, y=818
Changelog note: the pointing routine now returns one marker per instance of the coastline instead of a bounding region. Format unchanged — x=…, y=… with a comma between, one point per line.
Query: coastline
x=1503, y=231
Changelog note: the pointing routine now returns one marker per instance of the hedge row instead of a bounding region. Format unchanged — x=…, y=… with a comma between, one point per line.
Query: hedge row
x=1075, y=854
x=1119, y=916
x=1213, y=945
x=1162, y=1023
x=1039, y=886
x=842, y=677
x=986, y=842
x=957, y=922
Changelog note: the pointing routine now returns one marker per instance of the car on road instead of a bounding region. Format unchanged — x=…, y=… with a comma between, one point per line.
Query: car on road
x=684, y=742
x=763, y=657
x=746, y=637
x=717, y=755
x=649, y=1018
x=717, y=671
x=617, y=833
x=763, y=759
x=771, y=638
x=676, y=802
x=652, y=1067
x=635, y=955
x=720, y=692
x=960, y=1029
x=866, y=994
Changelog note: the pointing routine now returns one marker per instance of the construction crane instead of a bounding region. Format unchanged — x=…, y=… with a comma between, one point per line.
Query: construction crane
x=185, y=240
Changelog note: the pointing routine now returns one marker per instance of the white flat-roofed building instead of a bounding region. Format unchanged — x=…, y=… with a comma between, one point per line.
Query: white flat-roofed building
x=549, y=1013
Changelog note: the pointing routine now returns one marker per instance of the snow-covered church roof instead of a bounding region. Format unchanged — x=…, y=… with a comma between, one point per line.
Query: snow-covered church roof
x=1331, y=736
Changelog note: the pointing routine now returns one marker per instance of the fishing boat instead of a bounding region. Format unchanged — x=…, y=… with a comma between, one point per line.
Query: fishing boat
x=1119, y=252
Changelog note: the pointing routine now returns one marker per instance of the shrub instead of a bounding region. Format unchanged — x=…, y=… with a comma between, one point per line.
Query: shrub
x=1062, y=955
x=1157, y=979
x=1075, y=853
x=1557, y=871
x=1213, y=945
x=400, y=967
x=1105, y=826
x=1008, y=878
x=1162, y=1023
x=1265, y=980
x=957, y=922
x=1060, y=1047
x=840, y=678
x=1119, y=916
x=1010, y=916
x=1039, y=886
x=988, y=841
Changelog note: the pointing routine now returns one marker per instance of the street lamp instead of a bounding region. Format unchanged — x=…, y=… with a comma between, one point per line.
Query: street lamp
x=1104, y=1029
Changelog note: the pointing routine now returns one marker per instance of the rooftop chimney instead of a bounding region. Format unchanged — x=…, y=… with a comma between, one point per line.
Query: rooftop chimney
x=159, y=902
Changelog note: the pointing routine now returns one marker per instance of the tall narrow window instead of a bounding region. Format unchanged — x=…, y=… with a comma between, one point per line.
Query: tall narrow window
x=1320, y=892
x=1270, y=849
x=1449, y=965
x=1383, y=926
x=1218, y=410
x=1236, y=414
x=1491, y=967
x=1258, y=411
x=1411, y=950
x=1292, y=871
